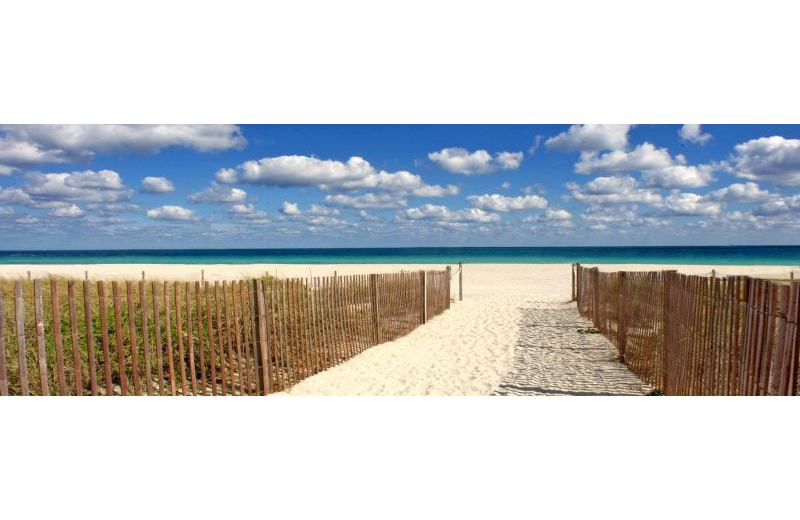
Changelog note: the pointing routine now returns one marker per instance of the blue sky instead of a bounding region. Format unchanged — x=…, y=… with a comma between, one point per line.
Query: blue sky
x=196, y=186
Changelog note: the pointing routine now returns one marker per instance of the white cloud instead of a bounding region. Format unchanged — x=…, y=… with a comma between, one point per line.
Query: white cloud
x=25, y=145
x=460, y=160
x=6, y=170
x=157, y=185
x=171, y=213
x=366, y=216
x=14, y=196
x=779, y=205
x=5, y=211
x=590, y=138
x=658, y=167
x=356, y=173
x=506, y=185
x=70, y=210
x=290, y=208
x=537, y=141
x=432, y=212
x=217, y=193
x=613, y=190
x=643, y=157
x=436, y=191
x=367, y=201
x=557, y=214
x=774, y=159
x=738, y=192
x=678, y=176
x=89, y=186
x=688, y=204
x=694, y=134
x=495, y=202
x=248, y=212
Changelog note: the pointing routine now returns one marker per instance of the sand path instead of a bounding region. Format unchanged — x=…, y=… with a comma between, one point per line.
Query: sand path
x=552, y=358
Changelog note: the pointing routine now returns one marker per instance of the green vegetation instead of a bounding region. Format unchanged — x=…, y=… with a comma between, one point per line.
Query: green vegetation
x=590, y=330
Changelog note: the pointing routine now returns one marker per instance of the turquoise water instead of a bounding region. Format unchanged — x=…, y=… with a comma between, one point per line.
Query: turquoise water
x=712, y=255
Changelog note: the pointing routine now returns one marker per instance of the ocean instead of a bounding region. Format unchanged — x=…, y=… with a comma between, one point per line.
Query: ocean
x=712, y=255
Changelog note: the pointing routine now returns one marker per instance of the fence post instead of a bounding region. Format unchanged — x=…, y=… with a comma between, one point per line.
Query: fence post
x=667, y=324
x=572, y=295
x=794, y=342
x=423, y=311
x=578, y=285
x=622, y=314
x=460, y=284
x=448, y=286
x=255, y=311
x=596, y=297
x=373, y=297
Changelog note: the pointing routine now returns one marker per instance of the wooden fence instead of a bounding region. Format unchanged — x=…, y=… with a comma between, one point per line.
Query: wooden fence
x=697, y=335
x=249, y=337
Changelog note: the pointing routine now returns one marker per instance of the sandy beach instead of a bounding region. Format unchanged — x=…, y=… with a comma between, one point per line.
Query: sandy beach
x=469, y=350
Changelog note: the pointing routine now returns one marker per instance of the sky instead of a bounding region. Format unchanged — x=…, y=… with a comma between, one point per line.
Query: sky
x=278, y=186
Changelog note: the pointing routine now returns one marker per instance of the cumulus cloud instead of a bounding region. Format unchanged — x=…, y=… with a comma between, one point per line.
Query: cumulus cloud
x=658, y=167
x=171, y=213
x=644, y=157
x=367, y=201
x=779, y=205
x=741, y=192
x=217, y=193
x=248, y=212
x=69, y=210
x=496, y=202
x=14, y=196
x=368, y=217
x=157, y=185
x=688, y=204
x=774, y=159
x=694, y=134
x=590, y=138
x=326, y=174
x=461, y=160
x=433, y=212
x=26, y=145
x=613, y=190
x=88, y=186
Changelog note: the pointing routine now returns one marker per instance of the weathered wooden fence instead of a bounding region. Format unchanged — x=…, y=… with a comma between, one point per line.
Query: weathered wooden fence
x=697, y=335
x=248, y=337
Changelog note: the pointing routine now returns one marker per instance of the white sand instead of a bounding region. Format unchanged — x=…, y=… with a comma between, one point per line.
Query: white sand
x=468, y=350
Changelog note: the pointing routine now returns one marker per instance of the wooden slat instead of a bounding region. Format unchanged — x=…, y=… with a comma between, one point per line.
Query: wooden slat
x=101, y=304
x=237, y=336
x=246, y=332
x=190, y=338
x=228, y=343
x=19, y=313
x=179, y=331
x=121, y=364
x=41, y=353
x=148, y=369
x=134, y=344
x=159, y=347
x=200, y=349
x=57, y=339
x=77, y=369
x=210, y=333
x=220, y=342
x=90, y=353
x=254, y=287
x=173, y=387
x=263, y=342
